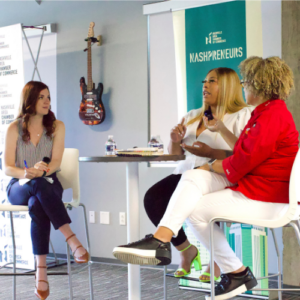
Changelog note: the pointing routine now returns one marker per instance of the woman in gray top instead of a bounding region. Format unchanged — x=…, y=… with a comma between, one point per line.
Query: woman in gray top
x=34, y=148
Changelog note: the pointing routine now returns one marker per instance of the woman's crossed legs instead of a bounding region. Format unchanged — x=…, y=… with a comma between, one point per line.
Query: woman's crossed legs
x=45, y=205
x=199, y=203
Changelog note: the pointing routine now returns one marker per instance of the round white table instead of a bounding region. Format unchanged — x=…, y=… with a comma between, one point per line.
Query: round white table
x=133, y=219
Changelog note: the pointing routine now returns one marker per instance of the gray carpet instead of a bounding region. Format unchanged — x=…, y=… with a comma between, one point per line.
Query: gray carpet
x=110, y=282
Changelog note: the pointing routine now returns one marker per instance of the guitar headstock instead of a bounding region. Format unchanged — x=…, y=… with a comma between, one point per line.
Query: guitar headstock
x=91, y=29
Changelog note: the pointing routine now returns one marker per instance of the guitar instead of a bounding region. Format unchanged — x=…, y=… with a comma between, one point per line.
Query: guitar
x=91, y=110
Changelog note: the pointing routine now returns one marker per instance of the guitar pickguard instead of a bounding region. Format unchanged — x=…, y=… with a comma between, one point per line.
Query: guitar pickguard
x=91, y=110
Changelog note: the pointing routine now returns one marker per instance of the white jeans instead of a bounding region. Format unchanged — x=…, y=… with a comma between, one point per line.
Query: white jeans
x=201, y=196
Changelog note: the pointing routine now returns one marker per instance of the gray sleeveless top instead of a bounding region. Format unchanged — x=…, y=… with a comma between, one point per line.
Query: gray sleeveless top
x=27, y=151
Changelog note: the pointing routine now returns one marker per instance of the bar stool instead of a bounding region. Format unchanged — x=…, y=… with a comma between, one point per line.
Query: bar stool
x=289, y=218
x=69, y=178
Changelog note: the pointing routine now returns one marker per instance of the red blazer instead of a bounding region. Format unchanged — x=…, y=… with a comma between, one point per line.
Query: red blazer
x=264, y=154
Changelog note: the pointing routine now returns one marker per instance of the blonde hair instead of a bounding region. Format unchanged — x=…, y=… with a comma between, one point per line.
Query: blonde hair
x=230, y=97
x=269, y=78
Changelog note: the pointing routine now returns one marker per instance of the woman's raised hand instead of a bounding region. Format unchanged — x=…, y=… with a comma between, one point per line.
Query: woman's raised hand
x=198, y=149
x=218, y=126
x=178, y=132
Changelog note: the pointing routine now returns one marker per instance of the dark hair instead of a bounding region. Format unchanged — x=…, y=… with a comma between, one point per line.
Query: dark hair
x=29, y=98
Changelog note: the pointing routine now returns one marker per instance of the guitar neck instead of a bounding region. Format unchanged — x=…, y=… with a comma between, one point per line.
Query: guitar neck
x=89, y=67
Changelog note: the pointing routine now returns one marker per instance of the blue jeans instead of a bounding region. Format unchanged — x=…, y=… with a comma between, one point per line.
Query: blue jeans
x=45, y=205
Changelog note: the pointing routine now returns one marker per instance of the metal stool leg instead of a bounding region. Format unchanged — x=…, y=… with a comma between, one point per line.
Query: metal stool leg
x=70, y=273
x=165, y=282
x=14, y=254
x=296, y=229
x=88, y=249
x=279, y=265
x=212, y=259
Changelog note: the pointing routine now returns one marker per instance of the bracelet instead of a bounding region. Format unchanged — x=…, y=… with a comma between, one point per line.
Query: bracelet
x=210, y=163
x=211, y=169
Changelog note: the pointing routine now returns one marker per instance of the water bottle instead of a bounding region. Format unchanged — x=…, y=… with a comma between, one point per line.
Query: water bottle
x=156, y=142
x=110, y=146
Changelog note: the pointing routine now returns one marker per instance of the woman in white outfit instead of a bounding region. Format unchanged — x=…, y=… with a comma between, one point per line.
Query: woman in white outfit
x=258, y=171
x=222, y=94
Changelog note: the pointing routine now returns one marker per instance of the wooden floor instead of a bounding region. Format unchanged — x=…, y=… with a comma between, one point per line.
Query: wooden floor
x=110, y=282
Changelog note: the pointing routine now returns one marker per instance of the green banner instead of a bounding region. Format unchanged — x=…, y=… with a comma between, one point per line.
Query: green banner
x=215, y=37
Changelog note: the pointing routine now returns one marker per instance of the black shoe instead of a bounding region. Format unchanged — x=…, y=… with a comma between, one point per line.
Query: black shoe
x=148, y=251
x=234, y=284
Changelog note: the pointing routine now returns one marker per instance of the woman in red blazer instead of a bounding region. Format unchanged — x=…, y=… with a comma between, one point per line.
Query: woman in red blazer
x=258, y=169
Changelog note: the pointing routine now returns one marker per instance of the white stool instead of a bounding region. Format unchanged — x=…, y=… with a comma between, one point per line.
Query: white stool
x=69, y=178
x=290, y=218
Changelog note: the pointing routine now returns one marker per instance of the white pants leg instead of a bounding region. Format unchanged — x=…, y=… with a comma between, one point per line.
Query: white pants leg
x=194, y=184
x=227, y=203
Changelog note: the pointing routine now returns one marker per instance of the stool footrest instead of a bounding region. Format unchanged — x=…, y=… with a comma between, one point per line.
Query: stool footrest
x=32, y=274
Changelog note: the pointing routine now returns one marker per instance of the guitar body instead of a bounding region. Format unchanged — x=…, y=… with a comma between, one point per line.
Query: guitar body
x=91, y=111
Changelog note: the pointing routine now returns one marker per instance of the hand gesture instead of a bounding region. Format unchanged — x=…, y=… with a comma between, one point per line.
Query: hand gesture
x=31, y=173
x=178, y=132
x=218, y=126
x=41, y=165
x=198, y=149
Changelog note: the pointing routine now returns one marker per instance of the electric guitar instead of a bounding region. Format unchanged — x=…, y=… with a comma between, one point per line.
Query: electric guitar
x=91, y=110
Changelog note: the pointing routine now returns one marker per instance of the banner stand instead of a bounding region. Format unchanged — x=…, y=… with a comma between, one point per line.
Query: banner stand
x=35, y=61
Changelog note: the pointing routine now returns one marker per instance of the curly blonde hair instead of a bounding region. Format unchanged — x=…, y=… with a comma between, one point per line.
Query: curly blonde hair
x=269, y=78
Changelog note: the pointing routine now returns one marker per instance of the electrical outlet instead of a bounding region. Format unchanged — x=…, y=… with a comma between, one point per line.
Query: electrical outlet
x=104, y=217
x=92, y=217
x=122, y=217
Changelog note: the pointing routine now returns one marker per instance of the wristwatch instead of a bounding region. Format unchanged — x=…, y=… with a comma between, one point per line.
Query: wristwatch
x=210, y=163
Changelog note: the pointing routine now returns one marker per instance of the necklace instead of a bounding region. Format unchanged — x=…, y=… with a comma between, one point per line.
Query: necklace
x=34, y=132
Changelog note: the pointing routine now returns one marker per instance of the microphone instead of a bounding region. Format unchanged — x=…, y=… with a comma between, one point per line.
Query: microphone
x=46, y=160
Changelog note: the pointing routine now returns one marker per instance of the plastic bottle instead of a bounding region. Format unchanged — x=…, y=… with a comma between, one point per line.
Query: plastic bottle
x=110, y=146
x=156, y=142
